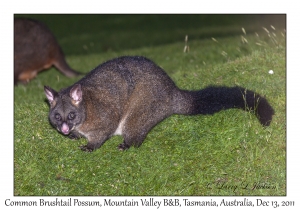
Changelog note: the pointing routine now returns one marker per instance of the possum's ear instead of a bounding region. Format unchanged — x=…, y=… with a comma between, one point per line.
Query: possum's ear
x=76, y=94
x=50, y=94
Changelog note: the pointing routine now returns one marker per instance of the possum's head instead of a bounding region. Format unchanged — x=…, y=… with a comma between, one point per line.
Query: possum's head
x=65, y=108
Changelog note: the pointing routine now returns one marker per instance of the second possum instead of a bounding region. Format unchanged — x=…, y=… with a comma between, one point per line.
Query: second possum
x=36, y=49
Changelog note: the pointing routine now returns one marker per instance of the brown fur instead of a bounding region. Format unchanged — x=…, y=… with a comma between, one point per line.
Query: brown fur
x=36, y=49
x=129, y=95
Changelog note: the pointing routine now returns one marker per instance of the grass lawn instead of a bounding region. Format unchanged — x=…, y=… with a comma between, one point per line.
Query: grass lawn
x=228, y=153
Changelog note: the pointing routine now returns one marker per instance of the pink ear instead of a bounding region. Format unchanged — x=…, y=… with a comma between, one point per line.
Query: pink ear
x=76, y=93
x=50, y=93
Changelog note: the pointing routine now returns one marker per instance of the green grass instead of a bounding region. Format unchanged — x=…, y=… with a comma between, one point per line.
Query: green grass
x=183, y=155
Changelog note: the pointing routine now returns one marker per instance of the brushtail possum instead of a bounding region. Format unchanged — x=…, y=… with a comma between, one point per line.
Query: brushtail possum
x=36, y=49
x=129, y=95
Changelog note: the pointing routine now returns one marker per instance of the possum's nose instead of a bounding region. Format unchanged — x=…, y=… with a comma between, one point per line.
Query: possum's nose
x=65, y=128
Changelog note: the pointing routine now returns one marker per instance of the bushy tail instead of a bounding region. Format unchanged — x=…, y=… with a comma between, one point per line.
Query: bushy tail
x=61, y=64
x=213, y=99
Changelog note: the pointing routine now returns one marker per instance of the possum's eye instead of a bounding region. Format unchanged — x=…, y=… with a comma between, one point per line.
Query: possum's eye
x=57, y=117
x=71, y=116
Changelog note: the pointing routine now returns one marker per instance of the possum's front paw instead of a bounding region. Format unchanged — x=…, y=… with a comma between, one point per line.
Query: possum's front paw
x=123, y=147
x=85, y=148
x=73, y=136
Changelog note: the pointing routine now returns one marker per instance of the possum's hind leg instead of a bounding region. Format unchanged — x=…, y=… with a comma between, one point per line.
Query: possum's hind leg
x=131, y=139
x=139, y=124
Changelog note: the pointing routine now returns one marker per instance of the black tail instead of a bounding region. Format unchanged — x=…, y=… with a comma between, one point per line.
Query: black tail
x=213, y=99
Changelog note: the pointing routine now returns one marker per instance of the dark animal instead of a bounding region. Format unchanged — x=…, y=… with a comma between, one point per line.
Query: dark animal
x=128, y=96
x=36, y=49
